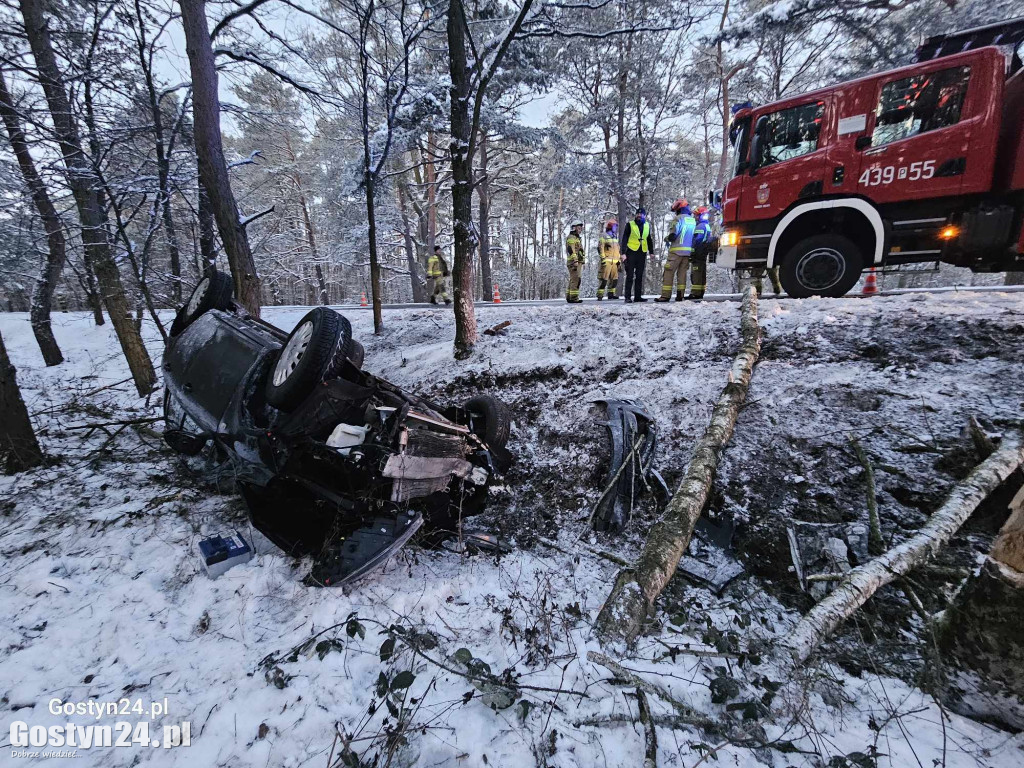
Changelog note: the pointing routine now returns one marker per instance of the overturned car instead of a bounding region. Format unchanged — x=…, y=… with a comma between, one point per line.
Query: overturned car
x=332, y=462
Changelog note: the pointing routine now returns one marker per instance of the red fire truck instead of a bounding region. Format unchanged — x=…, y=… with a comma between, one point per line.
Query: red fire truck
x=919, y=164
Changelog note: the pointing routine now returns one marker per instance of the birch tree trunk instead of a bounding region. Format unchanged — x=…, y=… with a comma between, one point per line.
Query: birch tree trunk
x=56, y=253
x=213, y=169
x=862, y=582
x=84, y=187
x=19, y=449
x=635, y=590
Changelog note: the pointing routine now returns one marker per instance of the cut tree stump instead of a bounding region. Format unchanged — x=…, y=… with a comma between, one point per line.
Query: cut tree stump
x=981, y=629
x=635, y=590
x=862, y=582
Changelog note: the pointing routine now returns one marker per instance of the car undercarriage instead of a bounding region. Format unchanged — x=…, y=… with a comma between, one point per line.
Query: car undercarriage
x=333, y=462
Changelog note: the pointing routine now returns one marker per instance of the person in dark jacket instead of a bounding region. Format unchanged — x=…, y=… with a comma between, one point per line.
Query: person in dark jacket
x=637, y=245
x=703, y=245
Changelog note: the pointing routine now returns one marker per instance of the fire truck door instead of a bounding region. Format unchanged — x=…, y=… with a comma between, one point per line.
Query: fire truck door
x=918, y=136
x=788, y=162
x=846, y=122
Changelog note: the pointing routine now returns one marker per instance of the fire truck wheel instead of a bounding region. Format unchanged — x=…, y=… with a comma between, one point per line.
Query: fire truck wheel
x=822, y=265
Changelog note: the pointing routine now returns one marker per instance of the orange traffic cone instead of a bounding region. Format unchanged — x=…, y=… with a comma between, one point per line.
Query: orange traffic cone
x=870, y=284
x=362, y=300
x=497, y=295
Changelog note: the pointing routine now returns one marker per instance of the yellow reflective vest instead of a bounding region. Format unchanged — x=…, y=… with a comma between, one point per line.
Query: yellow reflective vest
x=638, y=240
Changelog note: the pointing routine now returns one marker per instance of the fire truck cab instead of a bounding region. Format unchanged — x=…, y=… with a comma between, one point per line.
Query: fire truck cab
x=919, y=164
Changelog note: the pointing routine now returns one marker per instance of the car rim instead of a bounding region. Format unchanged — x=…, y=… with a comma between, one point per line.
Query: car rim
x=292, y=353
x=197, y=296
x=820, y=269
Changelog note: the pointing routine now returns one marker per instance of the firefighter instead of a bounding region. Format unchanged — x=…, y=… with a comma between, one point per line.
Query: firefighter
x=703, y=245
x=437, y=276
x=757, y=278
x=680, y=247
x=637, y=242
x=574, y=260
x=608, y=249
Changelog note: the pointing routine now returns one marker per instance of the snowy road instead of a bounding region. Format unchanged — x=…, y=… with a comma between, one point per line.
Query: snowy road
x=711, y=297
x=105, y=597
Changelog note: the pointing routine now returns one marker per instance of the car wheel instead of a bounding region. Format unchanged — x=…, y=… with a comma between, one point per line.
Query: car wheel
x=307, y=356
x=213, y=292
x=490, y=419
x=356, y=354
x=823, y=265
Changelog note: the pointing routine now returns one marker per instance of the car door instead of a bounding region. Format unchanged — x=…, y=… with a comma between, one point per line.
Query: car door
x=788, y=160
x=919, y=135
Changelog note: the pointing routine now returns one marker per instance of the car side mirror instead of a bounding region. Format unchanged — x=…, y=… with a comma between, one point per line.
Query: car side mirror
x=862, y=142
x=186, y=443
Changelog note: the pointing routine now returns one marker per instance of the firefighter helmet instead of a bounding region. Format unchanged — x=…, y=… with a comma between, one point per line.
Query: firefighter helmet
x=610, y=225
x=679, y=204
x=576, y=223
x=702, y=210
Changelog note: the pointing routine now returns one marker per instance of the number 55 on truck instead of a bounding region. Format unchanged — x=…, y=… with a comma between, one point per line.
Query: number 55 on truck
x=919, y=164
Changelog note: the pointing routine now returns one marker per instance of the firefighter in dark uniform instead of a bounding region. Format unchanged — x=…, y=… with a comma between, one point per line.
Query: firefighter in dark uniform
x=608, y=250
x=703, y=245
x=637, y=243
x=575, y=261
x=437, y=276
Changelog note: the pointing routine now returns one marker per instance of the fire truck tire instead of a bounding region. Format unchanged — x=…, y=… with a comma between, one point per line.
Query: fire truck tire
x=821, y=265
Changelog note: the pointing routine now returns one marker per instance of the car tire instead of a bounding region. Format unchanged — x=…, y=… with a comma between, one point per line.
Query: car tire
x=214, y=291
x=307, y=357
x=356, y=354
x=491, y=420
x=822, y=265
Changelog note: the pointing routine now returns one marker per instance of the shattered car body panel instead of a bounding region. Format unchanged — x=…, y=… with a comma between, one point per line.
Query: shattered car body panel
x=413, y=463
x=634, y=442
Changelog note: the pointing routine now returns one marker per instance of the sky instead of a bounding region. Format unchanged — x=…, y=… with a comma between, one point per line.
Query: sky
x=173, y=66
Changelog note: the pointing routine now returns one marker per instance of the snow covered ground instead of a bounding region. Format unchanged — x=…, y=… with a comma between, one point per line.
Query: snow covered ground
x=106, y=598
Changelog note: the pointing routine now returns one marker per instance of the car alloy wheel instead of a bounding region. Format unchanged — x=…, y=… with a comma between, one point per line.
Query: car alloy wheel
x=292, y=353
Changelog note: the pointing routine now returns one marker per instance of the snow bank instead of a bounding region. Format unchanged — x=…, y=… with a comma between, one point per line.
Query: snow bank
x=106, y=598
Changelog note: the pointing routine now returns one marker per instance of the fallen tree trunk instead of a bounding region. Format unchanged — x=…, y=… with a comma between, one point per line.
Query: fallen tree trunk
x=862, y=582
x=632, y=598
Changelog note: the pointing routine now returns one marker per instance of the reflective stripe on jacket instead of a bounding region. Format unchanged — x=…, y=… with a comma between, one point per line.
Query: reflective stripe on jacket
x=703, y=231
x=682, y=238
x=637, y=239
